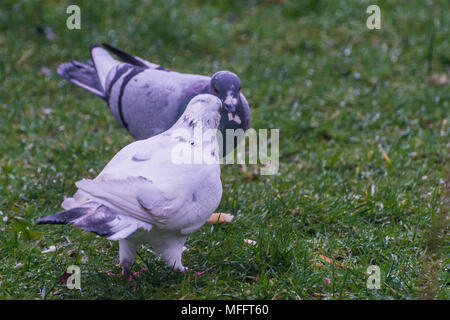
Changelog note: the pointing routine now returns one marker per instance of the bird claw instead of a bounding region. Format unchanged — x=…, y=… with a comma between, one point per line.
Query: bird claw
x=135, y=274
x=138, y=273
x=124, y=274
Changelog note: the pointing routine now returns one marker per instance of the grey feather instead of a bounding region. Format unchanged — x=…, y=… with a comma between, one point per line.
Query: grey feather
x=83, y=75
x=96, y=218
x=136, y=61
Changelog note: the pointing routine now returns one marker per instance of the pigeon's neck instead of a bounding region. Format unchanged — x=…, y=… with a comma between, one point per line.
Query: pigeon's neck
x=191, y=121
x=198, y=134
x=196, y=89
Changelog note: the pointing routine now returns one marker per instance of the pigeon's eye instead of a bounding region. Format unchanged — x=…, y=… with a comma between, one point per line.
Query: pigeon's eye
x=215, y=90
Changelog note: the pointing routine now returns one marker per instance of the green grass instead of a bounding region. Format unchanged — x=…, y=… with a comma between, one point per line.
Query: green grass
x=340, y=94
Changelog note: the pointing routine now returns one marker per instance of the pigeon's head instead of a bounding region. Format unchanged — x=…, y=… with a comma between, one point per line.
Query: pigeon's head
x=227, y=86
x=205, y=108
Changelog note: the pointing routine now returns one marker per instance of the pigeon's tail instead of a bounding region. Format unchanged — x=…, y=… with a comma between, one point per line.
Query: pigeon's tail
x=97, y=218
x=83, y=75
x=103, y=63
x=128, y=58
x=136, y=61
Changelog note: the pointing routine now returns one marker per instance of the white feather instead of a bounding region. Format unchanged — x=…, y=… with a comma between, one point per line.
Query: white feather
x=154, y=200
x=103, y=62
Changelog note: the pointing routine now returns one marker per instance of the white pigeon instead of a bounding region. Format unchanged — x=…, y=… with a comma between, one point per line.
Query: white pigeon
x=145, y=195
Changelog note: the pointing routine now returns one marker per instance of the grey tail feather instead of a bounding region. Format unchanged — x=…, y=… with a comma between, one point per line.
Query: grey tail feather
x=126, y=57
x=83, y=75
x=61, y=217
x=93, y=218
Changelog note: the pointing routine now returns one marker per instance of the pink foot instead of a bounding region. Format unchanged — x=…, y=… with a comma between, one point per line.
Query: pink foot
x=138, y=273
x=123, y=274
x=196, y=274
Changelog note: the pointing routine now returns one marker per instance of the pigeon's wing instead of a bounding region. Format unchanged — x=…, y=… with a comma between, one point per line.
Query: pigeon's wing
x=83, y=75
x=140, y=155
x=134, y=60
x=100, y=219
x=136, y=197
x=147, y=101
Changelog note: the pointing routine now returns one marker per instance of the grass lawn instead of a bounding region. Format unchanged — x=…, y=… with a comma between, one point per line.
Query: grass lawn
x=364, y=147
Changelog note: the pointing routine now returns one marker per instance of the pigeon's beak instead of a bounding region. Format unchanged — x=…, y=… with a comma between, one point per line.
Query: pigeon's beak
x=230, y=103
x=231, y=108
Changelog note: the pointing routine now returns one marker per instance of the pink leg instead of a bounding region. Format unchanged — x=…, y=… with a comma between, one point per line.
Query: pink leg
x=197, y=274
x=124, y=275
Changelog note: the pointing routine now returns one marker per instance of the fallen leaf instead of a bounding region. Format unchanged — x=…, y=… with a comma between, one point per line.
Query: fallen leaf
x=50, y=249
x=220, y=218
x=317, y=264
x=386, y=157
x=439, y=79
x=46, y=111
x=318, y=295
x=328, y=260
x=248, y=241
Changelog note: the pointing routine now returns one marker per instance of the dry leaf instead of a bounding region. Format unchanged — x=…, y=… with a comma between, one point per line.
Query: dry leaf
x=248, y=241
x=328, y=260
x=386, y=157
x=220, y=218
x=46, y=111
x=50, y=249
x=318, y=295
x=439, y=79
x=108, y=140
x=317, y=264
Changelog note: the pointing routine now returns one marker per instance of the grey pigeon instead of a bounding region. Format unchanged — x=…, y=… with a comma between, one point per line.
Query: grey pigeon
x=144, y=196
x=147, y=99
